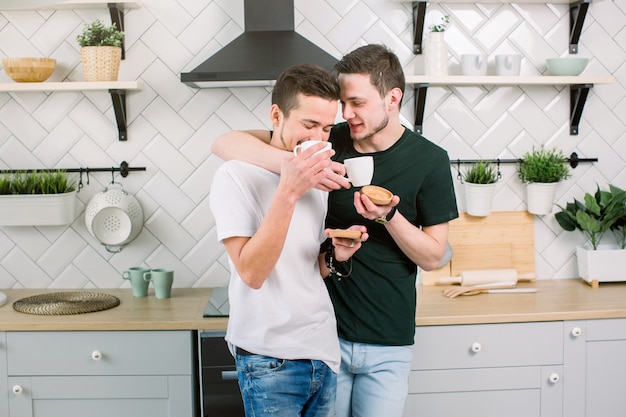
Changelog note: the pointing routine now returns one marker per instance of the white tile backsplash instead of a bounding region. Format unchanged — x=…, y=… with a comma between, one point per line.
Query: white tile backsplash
x=172, y=126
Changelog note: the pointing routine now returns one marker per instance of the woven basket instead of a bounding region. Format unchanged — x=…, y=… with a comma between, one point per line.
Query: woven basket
x=101, y=63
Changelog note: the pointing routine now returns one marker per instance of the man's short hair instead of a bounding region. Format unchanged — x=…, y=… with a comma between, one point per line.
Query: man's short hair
x=306, y=79
x=377, y=61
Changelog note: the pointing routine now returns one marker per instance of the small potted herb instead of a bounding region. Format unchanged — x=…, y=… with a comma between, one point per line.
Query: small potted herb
x=37, y=198
x=101, y=51
x=596, y=215
x=541, y=170
x=479, y=183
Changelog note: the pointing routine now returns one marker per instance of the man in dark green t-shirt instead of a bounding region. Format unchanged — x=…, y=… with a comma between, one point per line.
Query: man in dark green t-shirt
x=375, y=303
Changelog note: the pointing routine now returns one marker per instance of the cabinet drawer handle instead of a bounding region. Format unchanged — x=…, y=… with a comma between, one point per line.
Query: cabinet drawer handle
x=17, y=389
x=554, y=378
x=96, y=355
x=476, y=347
x=576, y=331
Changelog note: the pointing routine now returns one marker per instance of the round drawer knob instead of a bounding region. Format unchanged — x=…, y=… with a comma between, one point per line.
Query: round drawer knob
x=476, y=347
x=17, y=389
x=96, y=355
x=577, y=331
x=554, y=378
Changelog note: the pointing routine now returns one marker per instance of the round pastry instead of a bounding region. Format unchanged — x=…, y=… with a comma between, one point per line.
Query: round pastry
x=379, y=195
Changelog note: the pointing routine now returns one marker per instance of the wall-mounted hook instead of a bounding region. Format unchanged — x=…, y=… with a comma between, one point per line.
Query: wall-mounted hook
x=80, y=181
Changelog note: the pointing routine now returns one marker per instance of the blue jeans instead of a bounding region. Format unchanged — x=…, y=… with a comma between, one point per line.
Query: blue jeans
x=286, y=388
x=373, y=380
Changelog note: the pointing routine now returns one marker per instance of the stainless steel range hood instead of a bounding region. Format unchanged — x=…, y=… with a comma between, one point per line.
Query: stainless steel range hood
x=256, y=58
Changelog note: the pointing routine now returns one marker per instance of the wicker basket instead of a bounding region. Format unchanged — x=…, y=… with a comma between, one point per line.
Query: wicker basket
x=101, y=63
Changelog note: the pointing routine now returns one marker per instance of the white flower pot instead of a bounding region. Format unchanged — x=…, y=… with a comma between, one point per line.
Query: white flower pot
x=37, y=209
x=479, y=198
x=606, y=264
x=436, y=54
x=540, y=197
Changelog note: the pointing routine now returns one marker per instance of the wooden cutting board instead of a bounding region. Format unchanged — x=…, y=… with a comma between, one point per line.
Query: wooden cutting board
x=504, y=239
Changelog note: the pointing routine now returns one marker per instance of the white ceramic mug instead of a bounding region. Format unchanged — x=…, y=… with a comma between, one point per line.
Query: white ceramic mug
x=508, y=64
x=360, y=170
x=474, y=64
x=307, y=144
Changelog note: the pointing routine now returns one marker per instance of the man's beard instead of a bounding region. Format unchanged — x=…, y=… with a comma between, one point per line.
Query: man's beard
x=383, y=124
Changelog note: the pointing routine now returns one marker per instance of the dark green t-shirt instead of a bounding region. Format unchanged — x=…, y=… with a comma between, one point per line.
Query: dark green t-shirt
x=376, y=304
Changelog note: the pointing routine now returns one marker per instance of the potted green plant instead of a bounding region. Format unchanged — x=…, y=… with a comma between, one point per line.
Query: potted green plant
x=541, y=170
x=101, y=51
x=596, y=215
x=37, y=199
x=479, y=183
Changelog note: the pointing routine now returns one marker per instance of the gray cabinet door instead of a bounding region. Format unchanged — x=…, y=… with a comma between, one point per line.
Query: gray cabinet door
x=4, y=391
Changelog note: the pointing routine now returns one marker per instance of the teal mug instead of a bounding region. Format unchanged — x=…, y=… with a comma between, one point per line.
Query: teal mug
x=162, y=280
x=137, y=283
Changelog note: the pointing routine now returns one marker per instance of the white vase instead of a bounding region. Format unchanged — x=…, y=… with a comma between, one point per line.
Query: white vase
x=606, y=264
x=436, y=54
x=479, y=198
x=37, y=209
x=540, y=197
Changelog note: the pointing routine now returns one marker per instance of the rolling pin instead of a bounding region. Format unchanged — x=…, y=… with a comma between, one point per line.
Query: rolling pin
x=486, y=276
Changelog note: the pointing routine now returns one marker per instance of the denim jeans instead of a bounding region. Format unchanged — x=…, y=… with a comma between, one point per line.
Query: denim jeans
x=373, y=380
x=286, y=388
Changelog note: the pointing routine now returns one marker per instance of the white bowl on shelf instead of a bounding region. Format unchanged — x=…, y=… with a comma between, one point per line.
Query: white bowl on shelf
x=566, y=66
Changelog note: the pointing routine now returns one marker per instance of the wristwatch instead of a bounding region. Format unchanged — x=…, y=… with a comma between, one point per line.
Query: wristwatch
x=387, y=217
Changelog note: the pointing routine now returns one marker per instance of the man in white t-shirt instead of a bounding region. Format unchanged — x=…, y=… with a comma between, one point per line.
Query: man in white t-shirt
x=281, y=326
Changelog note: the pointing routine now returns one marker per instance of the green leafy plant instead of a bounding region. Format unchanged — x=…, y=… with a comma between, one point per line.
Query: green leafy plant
x=481, y=172
x=99, y=34
x=544, y=165
x=440, y=27
x=57, y=182
x=599, y=213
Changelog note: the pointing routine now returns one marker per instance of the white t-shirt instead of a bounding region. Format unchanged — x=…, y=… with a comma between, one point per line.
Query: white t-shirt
x=291, y=315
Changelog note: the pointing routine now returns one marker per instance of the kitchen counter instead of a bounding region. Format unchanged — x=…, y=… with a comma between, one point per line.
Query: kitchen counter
x=569, y=299
x=183, y=311
x=565, y=299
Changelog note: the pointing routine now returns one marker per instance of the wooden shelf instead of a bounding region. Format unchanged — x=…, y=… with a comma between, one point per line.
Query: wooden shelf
x=71, y=86
x=577, y=12
x=64, y=4
x=579, y=89
x=461, y=80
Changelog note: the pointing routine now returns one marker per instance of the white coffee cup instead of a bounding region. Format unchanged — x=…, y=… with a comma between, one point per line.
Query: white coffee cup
x=474, y=64
x=360, y=170
x=308, y=143
x=508, y=64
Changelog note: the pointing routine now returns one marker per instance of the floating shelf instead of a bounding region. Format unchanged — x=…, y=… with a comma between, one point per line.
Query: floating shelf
x=64, y=4
x=117, y=89
x=577, y=12
x=579, y=89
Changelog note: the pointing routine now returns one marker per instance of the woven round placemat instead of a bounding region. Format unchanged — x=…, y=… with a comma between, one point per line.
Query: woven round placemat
x=64, y=303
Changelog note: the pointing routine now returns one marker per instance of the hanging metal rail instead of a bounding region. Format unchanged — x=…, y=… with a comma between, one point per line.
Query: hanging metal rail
x=123, y=169
x=573, y=160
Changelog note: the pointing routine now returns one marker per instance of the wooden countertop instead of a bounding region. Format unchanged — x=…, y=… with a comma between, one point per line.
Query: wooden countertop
x=183, y=311
x=566, y=299
x=569, y=299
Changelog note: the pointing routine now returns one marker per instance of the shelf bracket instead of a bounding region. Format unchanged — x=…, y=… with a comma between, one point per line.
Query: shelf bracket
x=577, y=13
x=119, y=106
x=577, y=96
x=117, y=17
x=419, y=92
x=419, y=14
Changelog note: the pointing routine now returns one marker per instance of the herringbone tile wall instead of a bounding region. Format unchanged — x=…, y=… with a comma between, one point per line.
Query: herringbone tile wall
x=172, y=126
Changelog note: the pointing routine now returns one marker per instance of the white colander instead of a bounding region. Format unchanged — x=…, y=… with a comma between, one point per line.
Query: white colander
x=114, y=218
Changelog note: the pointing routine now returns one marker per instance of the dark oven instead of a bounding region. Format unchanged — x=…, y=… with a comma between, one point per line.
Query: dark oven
x=219, y=391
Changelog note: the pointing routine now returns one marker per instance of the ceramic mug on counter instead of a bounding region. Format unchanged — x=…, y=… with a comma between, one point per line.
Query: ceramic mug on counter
x=162, y=280
x=138, y=285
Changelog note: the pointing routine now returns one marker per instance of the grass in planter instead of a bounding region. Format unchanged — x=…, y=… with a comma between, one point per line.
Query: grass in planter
x=481, y=172
x=34, y=182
